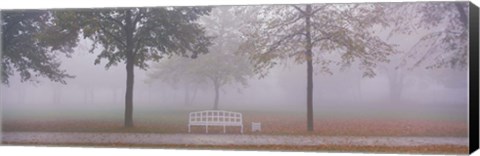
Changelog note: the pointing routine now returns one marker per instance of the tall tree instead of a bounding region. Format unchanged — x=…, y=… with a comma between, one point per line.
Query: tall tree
x=177, y=72
x=316, y=34
x=31, y=42
x=222, y=65
x=135, y=36
x=215, y=68
x=446, y=44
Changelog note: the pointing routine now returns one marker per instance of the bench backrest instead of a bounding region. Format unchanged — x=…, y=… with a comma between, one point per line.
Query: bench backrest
x=215, y=117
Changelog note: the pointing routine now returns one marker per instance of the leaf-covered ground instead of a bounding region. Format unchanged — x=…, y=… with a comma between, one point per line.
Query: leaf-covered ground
x=273, y=124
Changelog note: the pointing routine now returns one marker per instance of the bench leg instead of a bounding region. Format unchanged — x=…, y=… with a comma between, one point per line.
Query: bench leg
x=188, y=128
x=241, y=129
x=223, y=128
x=206, y=129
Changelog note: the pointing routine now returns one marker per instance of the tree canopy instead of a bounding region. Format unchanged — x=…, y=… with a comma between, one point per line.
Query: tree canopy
x=149, y=33
x=446, y=44
x=135, y=36
x=221, y=66
x=31, y=42
x=336, y=34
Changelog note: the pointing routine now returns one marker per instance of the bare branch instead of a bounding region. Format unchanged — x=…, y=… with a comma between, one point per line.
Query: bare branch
x=119, y=23
x=318, y=9
x=326, y=37
x=299, y=9
x=288, y=23
x=282, y=40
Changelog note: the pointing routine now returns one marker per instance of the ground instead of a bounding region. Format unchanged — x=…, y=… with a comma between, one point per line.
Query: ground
x=244, y=141
x=280, y=131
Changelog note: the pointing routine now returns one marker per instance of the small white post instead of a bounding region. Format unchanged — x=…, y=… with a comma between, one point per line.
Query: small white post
x=223, y=128
x=256, y=126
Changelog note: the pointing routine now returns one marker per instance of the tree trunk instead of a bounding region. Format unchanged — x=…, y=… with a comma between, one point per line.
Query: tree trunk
x=85, y=96
x=187, y=95
x=114, y=96
x=149, y=93
x=395, y=79
x=129, y=96
x=57, y=95
x=91, y=95
x=217, y=92
x=22, y=95
x=88, y=95
x=195, y=89
x=308, y=55
x=359, y=87
x=130, y=73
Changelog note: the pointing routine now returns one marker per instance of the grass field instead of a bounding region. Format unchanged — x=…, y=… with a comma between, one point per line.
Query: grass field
x=275, y=123
x=328, y=122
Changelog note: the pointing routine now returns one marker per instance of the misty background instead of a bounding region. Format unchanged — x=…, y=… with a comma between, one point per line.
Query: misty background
x=441, y=92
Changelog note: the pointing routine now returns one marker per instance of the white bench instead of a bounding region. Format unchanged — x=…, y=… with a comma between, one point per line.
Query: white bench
x=215, y=118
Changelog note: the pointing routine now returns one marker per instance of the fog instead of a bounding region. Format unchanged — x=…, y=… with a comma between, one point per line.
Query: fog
x=97, y=89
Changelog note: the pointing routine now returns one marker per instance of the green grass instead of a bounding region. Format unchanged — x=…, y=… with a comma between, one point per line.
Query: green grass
x=330, y=122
